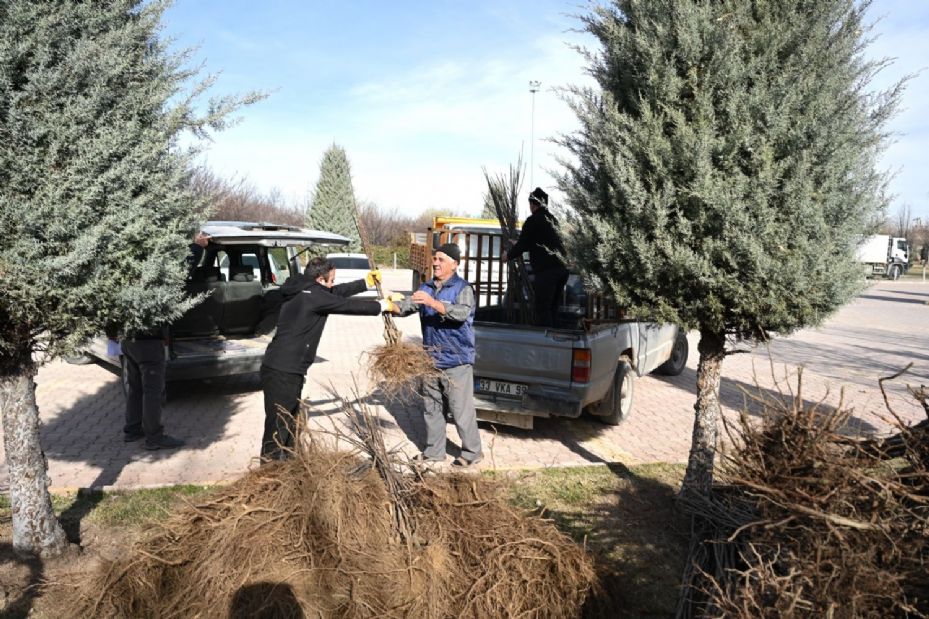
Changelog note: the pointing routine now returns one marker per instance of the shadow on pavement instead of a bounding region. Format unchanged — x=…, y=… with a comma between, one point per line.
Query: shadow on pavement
x=876, y=297
x=738, y=395
x=91, y=430
x=911, y=293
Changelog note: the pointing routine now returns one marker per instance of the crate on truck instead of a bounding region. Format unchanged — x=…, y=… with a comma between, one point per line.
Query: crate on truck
x=480, y=243
x=587, y=362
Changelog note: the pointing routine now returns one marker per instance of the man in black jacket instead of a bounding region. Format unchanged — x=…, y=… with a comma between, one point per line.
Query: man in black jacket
x=308, y=301
x=539, y=236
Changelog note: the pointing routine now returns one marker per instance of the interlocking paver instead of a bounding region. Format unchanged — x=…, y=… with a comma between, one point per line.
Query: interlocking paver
x=221, y=420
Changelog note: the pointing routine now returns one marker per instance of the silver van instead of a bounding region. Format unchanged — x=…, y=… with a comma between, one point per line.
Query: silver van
x=239, y=275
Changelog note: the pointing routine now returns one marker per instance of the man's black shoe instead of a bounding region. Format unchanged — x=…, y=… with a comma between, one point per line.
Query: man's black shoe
x=130, y=437
x=163, y=442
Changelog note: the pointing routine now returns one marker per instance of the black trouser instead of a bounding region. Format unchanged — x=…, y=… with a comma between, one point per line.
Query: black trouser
x=282, y=403
x=548, y=287
x=145, y=369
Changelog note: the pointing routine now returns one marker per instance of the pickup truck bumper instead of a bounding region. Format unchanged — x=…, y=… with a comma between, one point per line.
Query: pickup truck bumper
x=538, y=402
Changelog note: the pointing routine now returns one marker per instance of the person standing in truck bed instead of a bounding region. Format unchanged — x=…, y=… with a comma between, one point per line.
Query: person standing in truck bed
x=539, y=236
x=308, y=301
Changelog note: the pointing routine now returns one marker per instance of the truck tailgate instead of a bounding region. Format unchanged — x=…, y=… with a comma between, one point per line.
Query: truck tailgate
x=506, y=352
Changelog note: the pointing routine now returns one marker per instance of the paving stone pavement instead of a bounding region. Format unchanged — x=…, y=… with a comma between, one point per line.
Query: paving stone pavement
x=81, y=407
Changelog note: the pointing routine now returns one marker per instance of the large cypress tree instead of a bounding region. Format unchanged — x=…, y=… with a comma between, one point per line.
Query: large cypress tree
x=333, y=204
x=723, y=169
x=95, y=213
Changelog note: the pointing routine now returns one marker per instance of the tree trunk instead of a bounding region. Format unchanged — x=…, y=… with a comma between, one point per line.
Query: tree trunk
x=699, y=476
x=36, y=530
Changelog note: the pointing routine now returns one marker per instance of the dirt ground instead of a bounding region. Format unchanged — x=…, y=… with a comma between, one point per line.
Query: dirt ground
x=30, y=587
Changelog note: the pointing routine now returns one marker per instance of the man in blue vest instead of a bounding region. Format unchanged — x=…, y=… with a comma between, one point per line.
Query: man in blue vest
x=446, y=305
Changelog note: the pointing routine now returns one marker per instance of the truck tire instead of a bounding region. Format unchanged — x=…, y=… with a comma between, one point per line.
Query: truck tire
x=678, y=359
x=617, y=405
x=417, y=280
x=894, y=272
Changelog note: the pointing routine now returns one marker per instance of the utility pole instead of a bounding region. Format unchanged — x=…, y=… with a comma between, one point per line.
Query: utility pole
x=534, y=86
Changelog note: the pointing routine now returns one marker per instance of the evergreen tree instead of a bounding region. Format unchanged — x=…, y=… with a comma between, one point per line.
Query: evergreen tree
x=333, y=206
x=95, y=213
x=724, y=169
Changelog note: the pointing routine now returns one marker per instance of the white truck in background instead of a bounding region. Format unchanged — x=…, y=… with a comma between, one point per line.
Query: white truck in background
x=884, y=256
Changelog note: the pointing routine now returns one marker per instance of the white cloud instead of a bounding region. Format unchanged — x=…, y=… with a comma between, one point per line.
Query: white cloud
x=419, y=138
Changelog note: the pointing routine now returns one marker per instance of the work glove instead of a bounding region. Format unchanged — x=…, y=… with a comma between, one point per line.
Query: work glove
x=388, y=306
x=372, y=277
x=395, y=297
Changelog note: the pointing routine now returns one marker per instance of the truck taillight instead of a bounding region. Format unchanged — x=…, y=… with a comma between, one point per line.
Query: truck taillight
x=580, y=365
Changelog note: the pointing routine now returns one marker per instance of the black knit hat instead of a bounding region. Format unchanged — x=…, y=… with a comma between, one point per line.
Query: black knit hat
x=539, y=197
x=451, y=250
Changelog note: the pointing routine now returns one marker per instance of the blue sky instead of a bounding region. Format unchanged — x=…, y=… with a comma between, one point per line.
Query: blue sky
x=423, y=95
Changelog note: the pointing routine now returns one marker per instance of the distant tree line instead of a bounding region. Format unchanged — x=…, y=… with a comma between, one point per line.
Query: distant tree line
x=237, y=199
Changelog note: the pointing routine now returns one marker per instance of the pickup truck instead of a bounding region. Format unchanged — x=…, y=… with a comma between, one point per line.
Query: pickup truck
x=238, y=277
x=522, y=372
x=588, y=361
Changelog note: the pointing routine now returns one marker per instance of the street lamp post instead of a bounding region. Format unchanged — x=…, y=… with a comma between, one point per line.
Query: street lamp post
x=533, y=88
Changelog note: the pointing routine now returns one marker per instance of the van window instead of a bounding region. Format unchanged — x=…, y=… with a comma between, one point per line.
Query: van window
x=277, y=259
x=348, y=262
x=222, y=261
x=251, y=260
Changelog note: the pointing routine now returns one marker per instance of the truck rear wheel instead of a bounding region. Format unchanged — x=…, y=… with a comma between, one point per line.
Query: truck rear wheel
x=617, y=405
x=678, y=359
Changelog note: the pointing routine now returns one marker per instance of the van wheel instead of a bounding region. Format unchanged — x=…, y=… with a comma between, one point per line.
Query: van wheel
x=617, y=405
x=894, y=273
x=678, y=359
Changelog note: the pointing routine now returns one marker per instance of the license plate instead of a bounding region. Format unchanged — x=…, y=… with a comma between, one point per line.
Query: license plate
x=499, y=387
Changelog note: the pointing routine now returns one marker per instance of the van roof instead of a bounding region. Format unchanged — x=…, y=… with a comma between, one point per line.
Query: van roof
x=268, y=234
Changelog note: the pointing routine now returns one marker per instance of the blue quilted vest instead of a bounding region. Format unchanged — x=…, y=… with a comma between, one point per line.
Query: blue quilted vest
x=449, y=342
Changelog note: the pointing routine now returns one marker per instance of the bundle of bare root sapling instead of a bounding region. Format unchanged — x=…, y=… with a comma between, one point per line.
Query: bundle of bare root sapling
x=395, y=366
x=503, y=193
x=808, y=522
x=398, y=367
x=345, y=534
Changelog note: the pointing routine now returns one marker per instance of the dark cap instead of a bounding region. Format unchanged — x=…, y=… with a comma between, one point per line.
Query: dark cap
x=451, y=250
x=539, y=197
